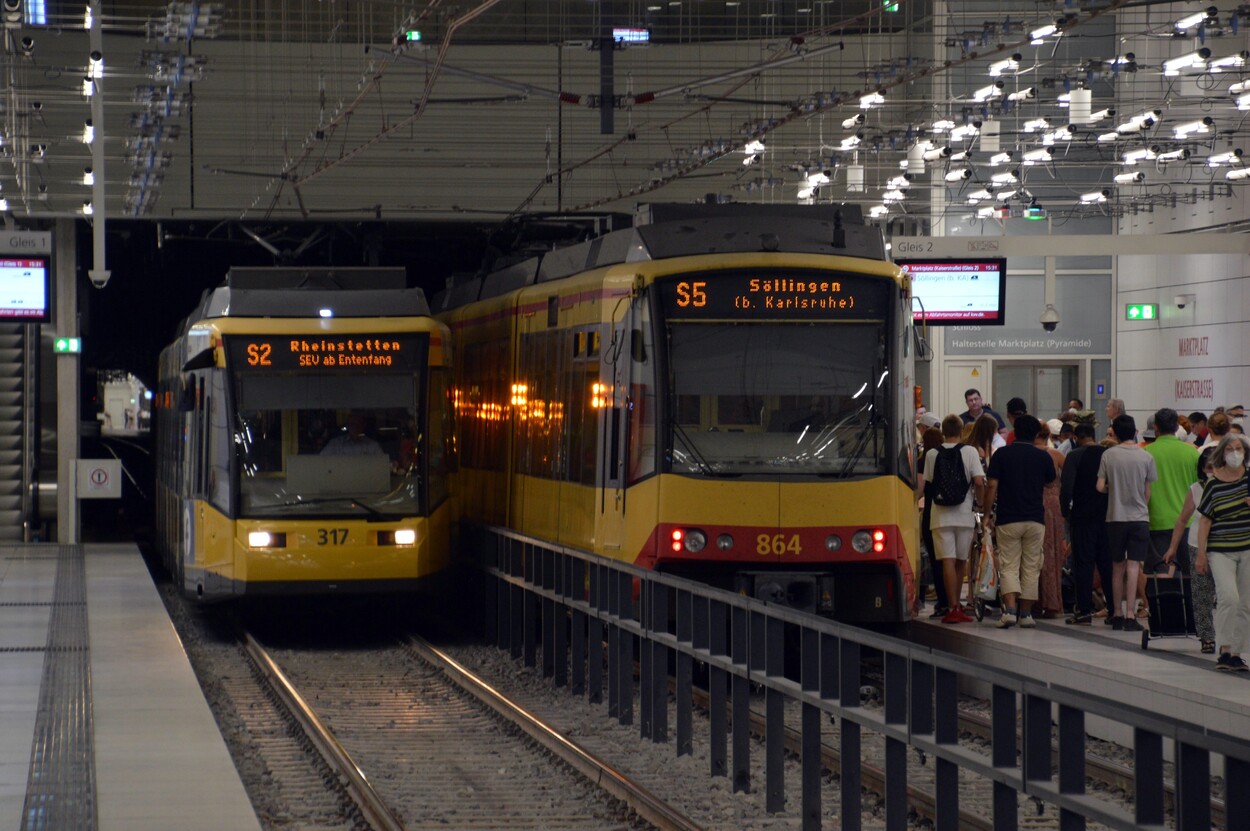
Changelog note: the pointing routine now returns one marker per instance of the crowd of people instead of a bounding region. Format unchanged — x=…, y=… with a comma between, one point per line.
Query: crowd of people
x=1054, y=498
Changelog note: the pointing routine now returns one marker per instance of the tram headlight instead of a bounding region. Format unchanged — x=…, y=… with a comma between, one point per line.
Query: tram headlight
x=696, y=541
x=400, y=536
x=861, y=541
x=265, y=539
x=724, y=542
x=833, y=542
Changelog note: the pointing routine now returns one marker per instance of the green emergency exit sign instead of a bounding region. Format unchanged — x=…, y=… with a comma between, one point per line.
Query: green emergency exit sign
x=1141, y=311
x=68, y=346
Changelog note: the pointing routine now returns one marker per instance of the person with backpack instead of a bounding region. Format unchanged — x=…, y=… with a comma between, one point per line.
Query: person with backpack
x=957, y=479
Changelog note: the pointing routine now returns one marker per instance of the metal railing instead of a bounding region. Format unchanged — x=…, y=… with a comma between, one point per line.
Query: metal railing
x=571, y=604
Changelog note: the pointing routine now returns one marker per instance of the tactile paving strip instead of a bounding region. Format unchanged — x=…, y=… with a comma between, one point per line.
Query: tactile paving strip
x=60, y=788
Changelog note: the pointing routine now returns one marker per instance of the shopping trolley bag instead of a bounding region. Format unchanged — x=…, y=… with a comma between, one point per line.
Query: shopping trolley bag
x=1171, y=608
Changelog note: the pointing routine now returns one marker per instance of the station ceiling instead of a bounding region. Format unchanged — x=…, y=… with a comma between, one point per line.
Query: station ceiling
x=331, y=110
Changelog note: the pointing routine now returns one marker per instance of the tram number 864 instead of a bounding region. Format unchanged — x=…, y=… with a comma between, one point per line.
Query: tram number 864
x=777, y=544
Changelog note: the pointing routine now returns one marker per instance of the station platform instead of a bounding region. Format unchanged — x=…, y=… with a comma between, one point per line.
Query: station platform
x=1171, y=676
x=102, y=722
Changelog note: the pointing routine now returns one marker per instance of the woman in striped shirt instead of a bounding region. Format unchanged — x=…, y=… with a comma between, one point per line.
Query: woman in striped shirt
x=1224, y=547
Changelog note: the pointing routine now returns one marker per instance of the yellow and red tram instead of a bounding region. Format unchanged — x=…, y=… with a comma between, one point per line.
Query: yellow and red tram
x=304, y=437
x=722, y=392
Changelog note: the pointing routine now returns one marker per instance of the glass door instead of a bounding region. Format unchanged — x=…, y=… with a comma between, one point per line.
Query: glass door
x=1045, y=388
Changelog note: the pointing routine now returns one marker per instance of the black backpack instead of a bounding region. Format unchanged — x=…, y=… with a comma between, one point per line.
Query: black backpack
x=950, y=479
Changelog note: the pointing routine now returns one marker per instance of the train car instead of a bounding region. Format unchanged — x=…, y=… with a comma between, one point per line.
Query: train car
x=722, y=392
x=304, y=440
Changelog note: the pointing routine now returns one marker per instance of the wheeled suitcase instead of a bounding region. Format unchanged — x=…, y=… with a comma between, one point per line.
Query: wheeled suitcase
x=1171, y=608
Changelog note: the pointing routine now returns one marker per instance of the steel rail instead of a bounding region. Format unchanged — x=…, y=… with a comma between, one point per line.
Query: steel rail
x=371, y=805
x=647, y=805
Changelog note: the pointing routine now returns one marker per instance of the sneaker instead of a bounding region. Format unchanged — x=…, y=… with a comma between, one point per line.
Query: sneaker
x=1006, y=620
x=1224, y=663
x=939, y=612
x=1027, y=622
x=1130, y=625
x=964, y=617
x=1080, y=619
x=1236, y=664
x=1112, y=621
x=1117, y=624
x=955, y=616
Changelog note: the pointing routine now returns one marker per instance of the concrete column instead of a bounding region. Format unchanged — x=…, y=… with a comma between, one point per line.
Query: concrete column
x=68, y=381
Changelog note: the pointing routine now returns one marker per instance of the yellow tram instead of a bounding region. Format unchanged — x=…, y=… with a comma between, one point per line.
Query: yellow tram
x=304, y=438
x=722, y=392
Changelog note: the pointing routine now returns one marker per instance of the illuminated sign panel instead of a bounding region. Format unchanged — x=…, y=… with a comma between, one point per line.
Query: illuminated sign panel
x=774, y=294
x=1141, y=311
x=24, y=290
x=959, y=292
x=287, y=353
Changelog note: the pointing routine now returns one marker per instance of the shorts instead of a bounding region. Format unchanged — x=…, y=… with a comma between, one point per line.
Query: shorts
x=1129, y=541
x=953, y=542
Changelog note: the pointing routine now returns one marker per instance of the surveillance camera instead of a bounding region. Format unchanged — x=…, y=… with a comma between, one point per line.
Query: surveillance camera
x=1181, y=300
x=99, y=279
x=1050, y=319
x=27, y=45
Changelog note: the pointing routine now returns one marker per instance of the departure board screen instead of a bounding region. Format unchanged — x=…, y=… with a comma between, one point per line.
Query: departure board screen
x=24, y=290
x=958, y=292
x=775, y=294
x=294, y=353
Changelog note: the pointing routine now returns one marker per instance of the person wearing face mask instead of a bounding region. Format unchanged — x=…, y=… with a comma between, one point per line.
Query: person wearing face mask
x=1224, y=548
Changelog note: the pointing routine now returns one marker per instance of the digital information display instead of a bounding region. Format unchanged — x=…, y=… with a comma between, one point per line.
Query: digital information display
x=785, y=294
x=958, y=291
x=24, y=290
x=287, y=353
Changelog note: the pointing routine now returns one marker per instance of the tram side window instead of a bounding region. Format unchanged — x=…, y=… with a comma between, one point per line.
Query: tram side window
x=642, y=399
x=540, y=407
x=219, y=444
x=483, y=400
x=439, y=436
x=583, y=412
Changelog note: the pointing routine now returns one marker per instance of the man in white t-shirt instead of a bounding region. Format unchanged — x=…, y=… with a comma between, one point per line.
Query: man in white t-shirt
x=954, y=526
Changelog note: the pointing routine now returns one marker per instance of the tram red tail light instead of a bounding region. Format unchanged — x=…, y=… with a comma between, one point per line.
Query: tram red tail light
x=678, y=536
x=878, y=541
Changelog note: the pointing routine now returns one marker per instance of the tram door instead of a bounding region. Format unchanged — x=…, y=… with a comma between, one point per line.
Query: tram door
x=1045, y=388
x=960, y=376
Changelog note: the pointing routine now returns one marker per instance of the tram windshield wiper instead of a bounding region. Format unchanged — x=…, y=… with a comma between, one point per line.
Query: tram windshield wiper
x=680, y=432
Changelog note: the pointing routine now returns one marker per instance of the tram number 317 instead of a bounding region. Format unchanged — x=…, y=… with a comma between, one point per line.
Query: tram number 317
x=777, y=545
x=331, y=536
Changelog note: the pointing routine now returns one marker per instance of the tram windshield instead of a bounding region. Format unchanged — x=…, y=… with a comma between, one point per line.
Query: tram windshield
x=778, y=398
x=325, y=443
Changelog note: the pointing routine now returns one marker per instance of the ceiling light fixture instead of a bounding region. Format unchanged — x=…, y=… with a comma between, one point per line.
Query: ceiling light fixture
x=958, y=174
x=988, y=92
x=1039, y=156
x=1224, y=158
x=1130, y=178
x=1173, y=155
x=852, y=122
x=1005, y=65
x=1197, y=58
x=1000, y=158
x=871, y=100
x=1238, y=174
x=1023, y=95
x=1035, y=125
x=1192, y=20
x=1094, y=197
x=1038, y=35
x=1142, y=154
x=1199, y=127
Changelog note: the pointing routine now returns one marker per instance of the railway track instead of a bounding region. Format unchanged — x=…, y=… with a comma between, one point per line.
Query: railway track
x=420, y=742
